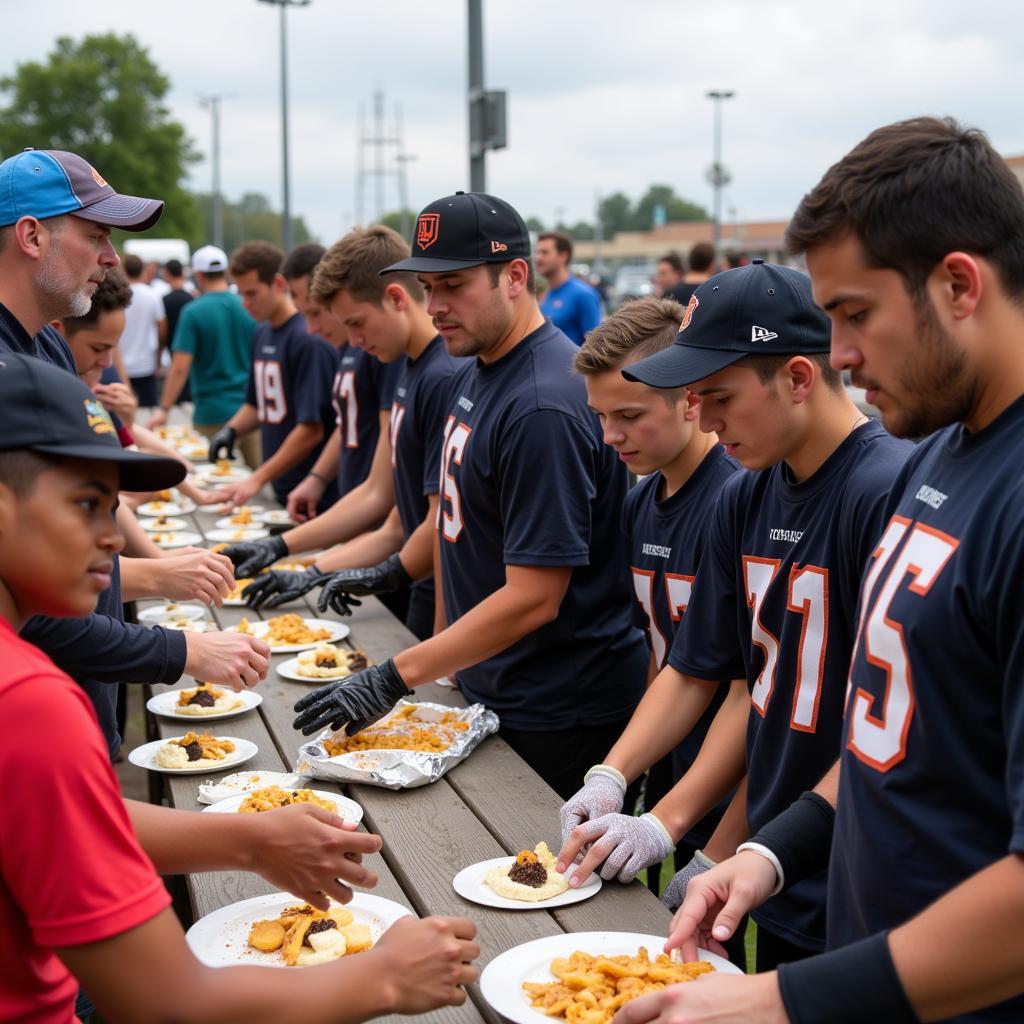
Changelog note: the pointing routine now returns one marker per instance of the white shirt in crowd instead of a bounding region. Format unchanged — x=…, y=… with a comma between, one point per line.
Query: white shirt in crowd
x=141, y=339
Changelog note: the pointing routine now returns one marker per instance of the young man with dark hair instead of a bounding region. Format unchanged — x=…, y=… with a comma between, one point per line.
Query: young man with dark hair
x=534, y=605
x=212, y=351
x=926, y=873
x=145, y=333
x=569, y=303
x=288, y=395
x=773, y=603
x=701, y=262
x=655, y=433
x=297, y=269
x=90, y=909
x=670, y=279
x=385, y=317
x=174, y=299
x=56, y=214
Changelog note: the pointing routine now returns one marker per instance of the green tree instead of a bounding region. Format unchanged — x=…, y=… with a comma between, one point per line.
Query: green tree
x=250, y=219
x=676, y=208
x=103, y=98
x=616, y=213
x=402, y=221
x=534, y=224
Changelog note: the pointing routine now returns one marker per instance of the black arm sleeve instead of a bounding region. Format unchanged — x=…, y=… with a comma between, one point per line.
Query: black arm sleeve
x=110, y=651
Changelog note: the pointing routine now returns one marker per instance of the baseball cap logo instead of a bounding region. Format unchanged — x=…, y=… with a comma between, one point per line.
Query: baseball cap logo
x=688, y=315
x=499, y=247
x=97, y=177
x=427, y=229
x=761, y=334
x=97, y=417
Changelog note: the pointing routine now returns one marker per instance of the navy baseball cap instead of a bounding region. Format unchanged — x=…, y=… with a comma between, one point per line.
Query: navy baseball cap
x=759, y=309
x=48, y=410
x=465, y=230
x=45, y=183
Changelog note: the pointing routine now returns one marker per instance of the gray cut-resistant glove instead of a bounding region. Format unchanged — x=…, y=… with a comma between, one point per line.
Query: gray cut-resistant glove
x=675, y=891
x=603, y=791
x=626, y=844
x=384, y=578
x=249, y=556
x=354, y=703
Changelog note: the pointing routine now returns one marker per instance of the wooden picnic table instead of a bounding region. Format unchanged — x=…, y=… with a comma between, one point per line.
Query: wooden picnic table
x=491, y=805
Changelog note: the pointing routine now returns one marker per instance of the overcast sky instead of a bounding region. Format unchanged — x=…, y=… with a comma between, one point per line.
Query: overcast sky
x=604, y=95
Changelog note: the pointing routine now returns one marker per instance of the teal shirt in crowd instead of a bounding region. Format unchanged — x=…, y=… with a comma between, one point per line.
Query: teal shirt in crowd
x=217, y=332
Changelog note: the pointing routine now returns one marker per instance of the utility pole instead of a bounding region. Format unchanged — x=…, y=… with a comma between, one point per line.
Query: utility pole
x=380, y=168
x=286, y=212
x=487, y=117
x=211, y=102
x=717, y=175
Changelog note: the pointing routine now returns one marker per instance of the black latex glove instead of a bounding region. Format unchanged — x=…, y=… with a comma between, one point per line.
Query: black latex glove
x=389, y=575
x=222, y=444
x=250, y=556
x=271, y=589
x=355, y=703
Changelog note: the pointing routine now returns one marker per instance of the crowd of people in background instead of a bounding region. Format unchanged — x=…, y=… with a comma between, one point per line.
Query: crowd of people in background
x=740, y=626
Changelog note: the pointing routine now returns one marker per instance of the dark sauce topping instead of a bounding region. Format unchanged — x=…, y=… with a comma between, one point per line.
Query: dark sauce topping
x=194, y=751
x=357, y=661
x=203, y=698
x=534, y=875
x=325, y=924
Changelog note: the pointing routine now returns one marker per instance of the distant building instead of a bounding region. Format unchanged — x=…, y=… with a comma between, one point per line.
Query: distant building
x=1017, y=166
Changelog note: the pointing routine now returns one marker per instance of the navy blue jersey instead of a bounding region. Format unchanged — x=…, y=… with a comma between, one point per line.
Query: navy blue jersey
x=666, y=539
x=526, y=480
x=775, y=601
x=932, y=783
x=417, y=430
x=290, y=383
x=363, y=386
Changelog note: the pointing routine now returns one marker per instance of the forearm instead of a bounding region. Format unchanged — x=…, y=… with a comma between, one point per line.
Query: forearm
x=245, y=420
x=137, y=543
x=326, y=464
x=982, y=915
x=670, y=708
x=440, y=622
x=180, y=842
x=361, y=510
x=418, y=551
x=829, y=785
x=717, y=769
x=296, y=446
x=177, y=375
x=366, y=550
x=139, y=578
x=733, y=829
x=497, y=622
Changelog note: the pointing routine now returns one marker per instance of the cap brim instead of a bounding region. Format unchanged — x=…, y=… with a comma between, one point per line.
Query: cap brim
x=137, y=471
x=428, y=265
x=680, y=365
x=130, y=213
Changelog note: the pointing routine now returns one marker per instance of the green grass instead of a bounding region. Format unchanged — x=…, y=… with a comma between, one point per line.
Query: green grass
x=749, y=940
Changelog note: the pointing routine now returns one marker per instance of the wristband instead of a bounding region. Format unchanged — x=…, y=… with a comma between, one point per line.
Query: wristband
x=846, y=986
x=318, y=476
x=800, y=837
x=607, y=769
x=763, y=851
x=657, y=824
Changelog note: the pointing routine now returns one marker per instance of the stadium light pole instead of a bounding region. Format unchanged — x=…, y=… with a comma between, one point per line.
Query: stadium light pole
x=211, y=102
x=286, y=213
x=718, y=176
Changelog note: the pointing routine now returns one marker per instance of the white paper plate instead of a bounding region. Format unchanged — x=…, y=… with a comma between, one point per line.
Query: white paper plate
x=469, y=883
x=189, y=626
x=246, y=781
x=170, y=525
x=166, y=508
x=220, y=938
x=177, y=540
x=502, y=980
x=338, y=632
x=233, y=476
x=231, y=536
x=276, y=517
x=245, y=750
x=225, y=508
x=289, y=670
x=347, y=809
x=165, y=704
x=193, y=452
x=158, y=613
x=226, y=524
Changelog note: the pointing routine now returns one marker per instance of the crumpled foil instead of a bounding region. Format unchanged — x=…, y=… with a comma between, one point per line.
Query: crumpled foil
x=399, y=769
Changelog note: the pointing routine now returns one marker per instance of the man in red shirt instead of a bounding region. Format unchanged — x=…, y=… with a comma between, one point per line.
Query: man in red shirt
x=79, y=894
